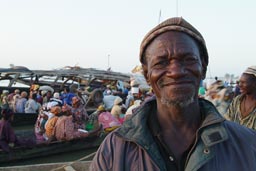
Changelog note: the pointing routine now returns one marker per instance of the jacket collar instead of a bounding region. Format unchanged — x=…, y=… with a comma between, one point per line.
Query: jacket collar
x=211, y=130
x=137, y=125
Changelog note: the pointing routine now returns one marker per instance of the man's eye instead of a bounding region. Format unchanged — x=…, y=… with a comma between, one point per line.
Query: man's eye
x=162, y=63
x=190, y=60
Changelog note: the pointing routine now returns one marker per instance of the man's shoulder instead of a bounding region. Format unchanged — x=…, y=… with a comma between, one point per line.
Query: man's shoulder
x=240, y=131
x=112, y=139
x=237, y=99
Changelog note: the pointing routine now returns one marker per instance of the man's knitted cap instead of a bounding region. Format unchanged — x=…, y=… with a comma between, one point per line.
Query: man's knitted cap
x=174, y=24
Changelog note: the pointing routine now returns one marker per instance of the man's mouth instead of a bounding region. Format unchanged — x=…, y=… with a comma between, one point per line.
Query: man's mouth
x=175, y=83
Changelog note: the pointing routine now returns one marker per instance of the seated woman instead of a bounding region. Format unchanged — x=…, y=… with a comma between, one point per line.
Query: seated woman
x=7, y=136
x=40, y=126
x=107, y=120
x=8, y=139
x=44, y=115
x=79, y=113
x=65, y=127
x=50, y=124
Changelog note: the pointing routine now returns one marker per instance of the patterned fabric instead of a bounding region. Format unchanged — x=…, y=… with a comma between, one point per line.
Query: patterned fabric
x=65, y=129
x=108, y=120
x=79, y=116
x=49, y=126
x=234, y=114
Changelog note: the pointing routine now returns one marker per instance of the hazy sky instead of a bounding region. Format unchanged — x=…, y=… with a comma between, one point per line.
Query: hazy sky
x=50, y=34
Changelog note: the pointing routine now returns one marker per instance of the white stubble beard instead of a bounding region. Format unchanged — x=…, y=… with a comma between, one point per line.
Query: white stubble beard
x=181, y=101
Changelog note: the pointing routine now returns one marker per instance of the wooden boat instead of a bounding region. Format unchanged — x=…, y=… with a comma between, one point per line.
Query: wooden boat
x=56, y=147
x=22, y=119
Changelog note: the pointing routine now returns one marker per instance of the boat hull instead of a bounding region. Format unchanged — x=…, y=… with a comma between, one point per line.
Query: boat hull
x=44, y=149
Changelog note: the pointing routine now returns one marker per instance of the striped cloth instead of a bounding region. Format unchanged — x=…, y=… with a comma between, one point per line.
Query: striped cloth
x=251, y=70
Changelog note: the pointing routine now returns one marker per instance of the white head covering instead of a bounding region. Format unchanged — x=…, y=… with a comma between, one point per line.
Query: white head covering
x=108, y=92
x=251, y=70
x=135, y=90
x=117, y=100
x=51, y=104
x=43, y=92
x=56, y=95
x=5, y=91
x=16, y=91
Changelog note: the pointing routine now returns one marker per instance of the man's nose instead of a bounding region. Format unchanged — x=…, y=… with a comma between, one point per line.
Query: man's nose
x=176, y=69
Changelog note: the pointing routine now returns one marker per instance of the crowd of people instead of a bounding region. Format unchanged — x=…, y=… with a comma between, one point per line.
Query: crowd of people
x=63, y=115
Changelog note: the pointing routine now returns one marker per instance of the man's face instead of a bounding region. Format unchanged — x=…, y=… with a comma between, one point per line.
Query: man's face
x=174, y=68
x=246, y=84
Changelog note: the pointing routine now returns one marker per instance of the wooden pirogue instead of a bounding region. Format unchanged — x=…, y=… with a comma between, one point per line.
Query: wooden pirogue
x=56, y=147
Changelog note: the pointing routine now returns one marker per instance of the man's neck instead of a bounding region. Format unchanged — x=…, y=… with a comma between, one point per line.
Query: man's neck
x=174, y=116
x=179, y=124
x=250, y=97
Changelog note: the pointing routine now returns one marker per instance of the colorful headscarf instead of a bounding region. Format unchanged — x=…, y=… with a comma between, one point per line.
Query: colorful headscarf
x=100, y=108
x=56, y=110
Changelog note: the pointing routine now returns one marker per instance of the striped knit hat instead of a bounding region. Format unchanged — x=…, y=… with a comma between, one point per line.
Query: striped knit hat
x=175, y=24
x=251, y=70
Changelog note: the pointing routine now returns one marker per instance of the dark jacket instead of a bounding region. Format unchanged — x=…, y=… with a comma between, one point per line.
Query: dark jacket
x=220, y=145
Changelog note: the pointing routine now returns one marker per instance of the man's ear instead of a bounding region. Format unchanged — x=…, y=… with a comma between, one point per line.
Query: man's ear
x=145, y=72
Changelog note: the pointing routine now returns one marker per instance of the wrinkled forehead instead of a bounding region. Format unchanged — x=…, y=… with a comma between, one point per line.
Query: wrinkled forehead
x=247, y=77
x=172, y=41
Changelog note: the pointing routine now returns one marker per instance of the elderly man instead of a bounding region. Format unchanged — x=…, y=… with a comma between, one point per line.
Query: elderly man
x=176, y=131
x=243, y=107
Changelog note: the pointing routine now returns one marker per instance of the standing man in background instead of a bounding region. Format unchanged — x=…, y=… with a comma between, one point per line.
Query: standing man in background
x=243, y=107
